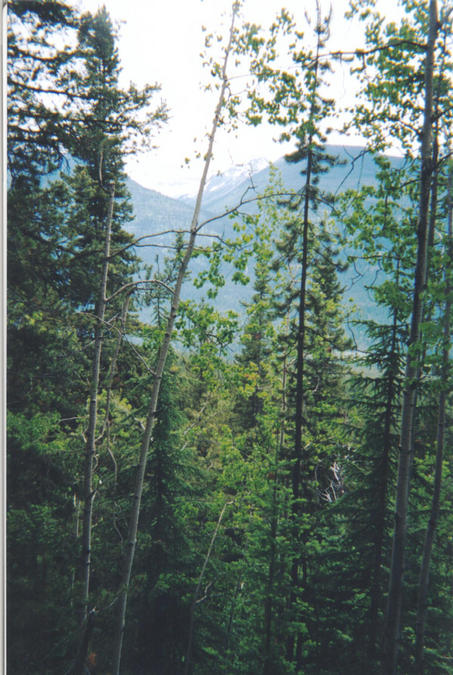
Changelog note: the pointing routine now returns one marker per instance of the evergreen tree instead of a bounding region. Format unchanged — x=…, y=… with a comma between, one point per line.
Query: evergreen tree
x=57, y=229
x=36, y=97
x=98, y=208
x=266, y=480
x=296, y=101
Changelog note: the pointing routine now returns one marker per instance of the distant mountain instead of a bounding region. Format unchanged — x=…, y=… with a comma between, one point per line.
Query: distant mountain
x=155, y=212
x=223, y=183
x=357, y=168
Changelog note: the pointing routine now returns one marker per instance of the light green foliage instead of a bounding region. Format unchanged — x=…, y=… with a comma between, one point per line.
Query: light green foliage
x=294, y=547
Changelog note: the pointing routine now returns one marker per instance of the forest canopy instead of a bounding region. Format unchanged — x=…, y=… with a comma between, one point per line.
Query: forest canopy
x=201, y=486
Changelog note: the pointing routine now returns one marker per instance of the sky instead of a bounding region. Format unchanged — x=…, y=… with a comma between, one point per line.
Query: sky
x=161, y=41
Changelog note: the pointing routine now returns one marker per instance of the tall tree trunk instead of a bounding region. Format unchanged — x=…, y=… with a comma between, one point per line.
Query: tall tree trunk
x=294, y=643
x=160, y=365
x=300, y=365
x=106, y=423
x=268, y=604
x=423, y=584
x=395, y=595
x=90, y=449
x=296, y=477
x=384, y=473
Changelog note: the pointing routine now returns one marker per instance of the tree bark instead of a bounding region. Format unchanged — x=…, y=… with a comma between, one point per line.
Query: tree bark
x=90, y=450
x=300, y=363
x=423, y=585
x=296, y=653
x=395, y=594
x=161, y=360
x=296, y=477
x=106, y=423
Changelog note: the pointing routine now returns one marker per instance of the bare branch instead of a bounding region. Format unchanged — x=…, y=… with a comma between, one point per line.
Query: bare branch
x=132, y=285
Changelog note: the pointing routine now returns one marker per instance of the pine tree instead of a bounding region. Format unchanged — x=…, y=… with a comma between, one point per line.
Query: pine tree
x=440, y=440
x=161, y=361
x=98, y=208
x=36, y=97
x=408, y=60
x=57, y=224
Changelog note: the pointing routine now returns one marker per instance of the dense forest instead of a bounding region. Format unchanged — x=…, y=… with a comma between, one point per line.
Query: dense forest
x=211, y=491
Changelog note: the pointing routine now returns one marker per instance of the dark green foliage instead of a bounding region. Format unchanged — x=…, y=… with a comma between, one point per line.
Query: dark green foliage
x=36, y=131
x=267, y=512
x=56, y=239
x=164, y=555
x=41, y=534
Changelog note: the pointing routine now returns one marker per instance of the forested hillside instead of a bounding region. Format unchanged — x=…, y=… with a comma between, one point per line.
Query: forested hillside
x=154, y=212
x=197, y=487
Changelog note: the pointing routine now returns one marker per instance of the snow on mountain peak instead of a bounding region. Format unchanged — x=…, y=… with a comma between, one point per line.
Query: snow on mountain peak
x=224, y=181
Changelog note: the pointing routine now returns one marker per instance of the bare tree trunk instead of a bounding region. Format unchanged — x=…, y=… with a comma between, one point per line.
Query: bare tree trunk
x=161, y=360
x=109, y=383
x=432, y=523
x=394, y=604
x=90, y=450
x=114, y=362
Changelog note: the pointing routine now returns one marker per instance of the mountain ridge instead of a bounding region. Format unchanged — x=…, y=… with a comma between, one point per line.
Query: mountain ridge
x=155, y=212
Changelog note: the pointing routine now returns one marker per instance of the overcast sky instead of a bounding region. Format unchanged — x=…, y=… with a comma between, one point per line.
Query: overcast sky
x=161, y=40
